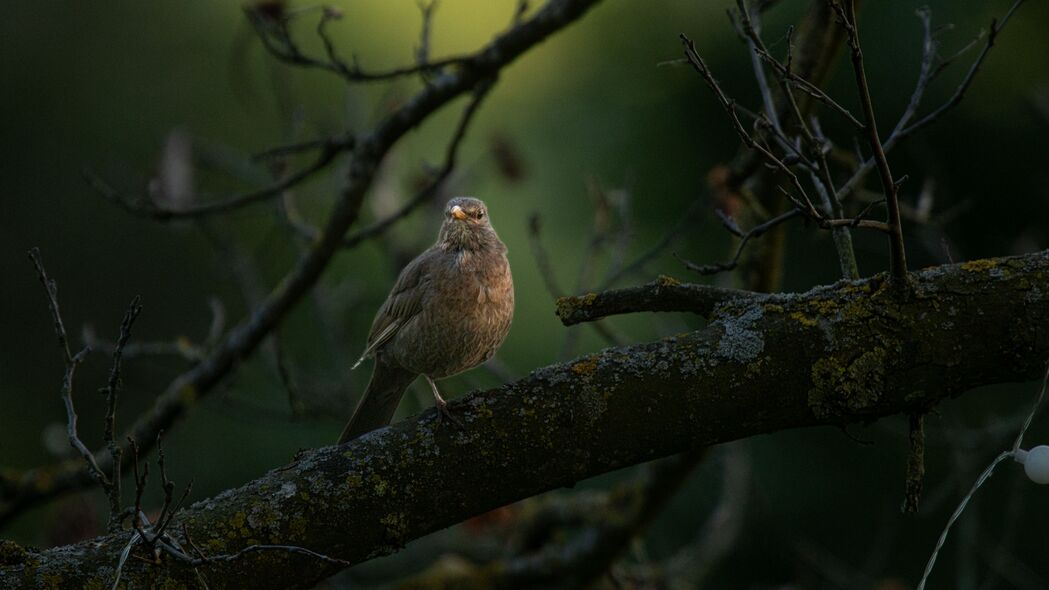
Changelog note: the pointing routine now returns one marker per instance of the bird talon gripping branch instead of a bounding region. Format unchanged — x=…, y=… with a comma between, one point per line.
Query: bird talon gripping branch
x=448, y=312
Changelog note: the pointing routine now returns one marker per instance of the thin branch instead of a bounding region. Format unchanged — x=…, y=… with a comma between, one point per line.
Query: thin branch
x=754, y=232
x=685, y=223
x=257, y=548
x=144, y=208
x=758, y=49
x=450, y=160
x=72, y=361
x=664, y=294
x=959, y=93
x=111, y=390
x=542, y=260
x=898, y=254
x=729, y=106
x=819, y=171
x=181, y=347
x=277, y=39
x=903, y=132
x=422, y=53
x=425, y=195
x=915, y=479
x=322, y=143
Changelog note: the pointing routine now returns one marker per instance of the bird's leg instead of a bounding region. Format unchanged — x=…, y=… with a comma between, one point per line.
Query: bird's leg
x=442, y=406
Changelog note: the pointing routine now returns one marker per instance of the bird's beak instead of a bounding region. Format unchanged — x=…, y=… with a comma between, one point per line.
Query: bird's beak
x=458, y=213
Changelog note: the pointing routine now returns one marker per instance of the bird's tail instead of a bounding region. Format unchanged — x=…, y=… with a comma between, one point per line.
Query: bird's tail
x=379, y=402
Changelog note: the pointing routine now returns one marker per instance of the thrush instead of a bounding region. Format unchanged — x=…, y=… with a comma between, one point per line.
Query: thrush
x=448, y=312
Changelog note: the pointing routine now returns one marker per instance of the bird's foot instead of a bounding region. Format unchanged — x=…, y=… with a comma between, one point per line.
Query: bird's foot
x=444, y=415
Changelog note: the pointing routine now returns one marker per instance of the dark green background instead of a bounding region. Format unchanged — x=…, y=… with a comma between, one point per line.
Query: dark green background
x=102, y=85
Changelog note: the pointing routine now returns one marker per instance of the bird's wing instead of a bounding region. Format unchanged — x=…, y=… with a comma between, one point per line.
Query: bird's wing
x=403, y=303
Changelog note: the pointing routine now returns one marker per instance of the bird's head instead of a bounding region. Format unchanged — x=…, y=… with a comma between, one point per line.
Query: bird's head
x=466, y=225
x=466, y=210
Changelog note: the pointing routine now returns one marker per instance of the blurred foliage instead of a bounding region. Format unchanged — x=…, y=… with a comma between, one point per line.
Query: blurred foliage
x=104, y=86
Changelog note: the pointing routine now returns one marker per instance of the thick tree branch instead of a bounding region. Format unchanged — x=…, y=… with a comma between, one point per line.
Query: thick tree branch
x=47, y=482
x=849, y=352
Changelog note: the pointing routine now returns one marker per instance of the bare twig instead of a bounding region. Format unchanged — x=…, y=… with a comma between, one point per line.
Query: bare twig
x=664, y=294
x=898, y=255
x=754, y=232
x=72, y=361
x=179, y=347
x=542, y=260
x=915, y=479
x=422, y=53
x=959, y=93
x=685, y=223
x=784, y=71
x=323, y=143
x=276, y=37
x=902, y=132
x=819, y=170
x=432, y=187
x=257, y=548
x=519, y=12
x=730, y=107
x=144, y=208
x=111, y=390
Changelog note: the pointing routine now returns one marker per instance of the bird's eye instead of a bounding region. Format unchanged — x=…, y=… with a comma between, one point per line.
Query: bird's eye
x=479, y=214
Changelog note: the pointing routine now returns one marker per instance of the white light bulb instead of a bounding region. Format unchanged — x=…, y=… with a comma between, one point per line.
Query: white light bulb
x=1036, y=463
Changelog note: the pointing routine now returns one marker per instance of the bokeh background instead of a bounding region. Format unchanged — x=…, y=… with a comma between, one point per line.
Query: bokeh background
x=590, y=111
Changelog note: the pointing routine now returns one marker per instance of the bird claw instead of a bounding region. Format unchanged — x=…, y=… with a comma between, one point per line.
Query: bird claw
x=444, y=415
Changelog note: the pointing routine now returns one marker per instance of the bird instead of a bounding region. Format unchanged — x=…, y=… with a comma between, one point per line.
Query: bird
x=448, y=311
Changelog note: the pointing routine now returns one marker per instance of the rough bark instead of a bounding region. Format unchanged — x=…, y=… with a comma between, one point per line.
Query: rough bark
x=852, y=351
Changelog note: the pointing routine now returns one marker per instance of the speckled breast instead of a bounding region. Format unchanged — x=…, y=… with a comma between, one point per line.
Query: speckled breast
x=473, y=320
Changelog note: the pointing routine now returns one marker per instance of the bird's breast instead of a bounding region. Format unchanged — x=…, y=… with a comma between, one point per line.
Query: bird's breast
x=470, y=317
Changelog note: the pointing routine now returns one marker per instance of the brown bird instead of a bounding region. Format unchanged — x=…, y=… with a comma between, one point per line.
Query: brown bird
x=449, y=311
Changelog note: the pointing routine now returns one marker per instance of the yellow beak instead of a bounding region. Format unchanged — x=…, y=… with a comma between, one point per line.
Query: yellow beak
x=458, y=213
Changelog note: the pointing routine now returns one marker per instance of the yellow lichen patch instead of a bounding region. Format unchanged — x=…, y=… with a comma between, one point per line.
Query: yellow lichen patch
x=297, y=527
x=979, y=265
x=237, y=528
x=566, y=306
x=380, y=485
x=773, y=307
x=585, y=367
x=353, y=480
x=864, y=287
x=841, y=386
x=803, y=319
x=395, y=525
x=11, y=553
x=824, y=306
x=665, y=281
